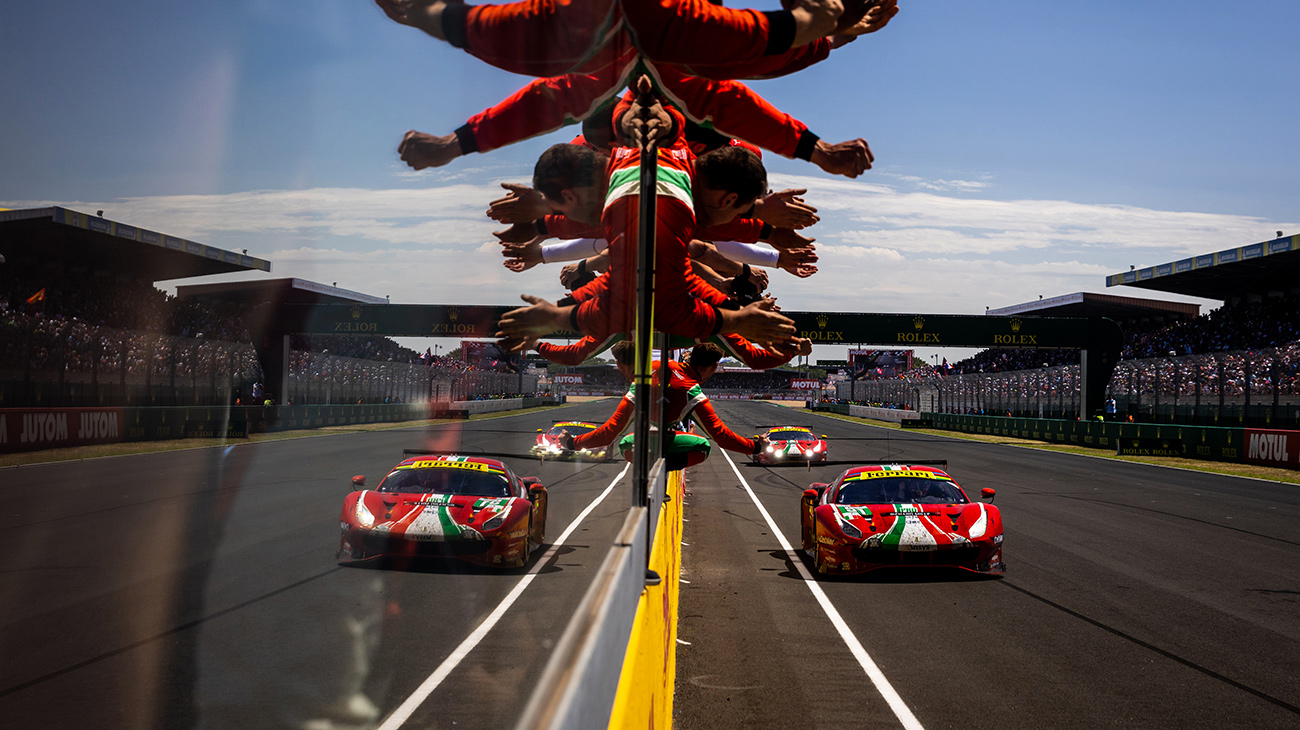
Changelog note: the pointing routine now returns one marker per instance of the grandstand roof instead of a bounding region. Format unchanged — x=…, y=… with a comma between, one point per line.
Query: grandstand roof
x=1255, y=269
x=283, y=291
x=1084, y=304
x=40, y=236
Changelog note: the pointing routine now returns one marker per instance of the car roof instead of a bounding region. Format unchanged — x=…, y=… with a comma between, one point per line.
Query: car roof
x=902, y=470
x=558, y=424
x=790, y=428
x=432, y=461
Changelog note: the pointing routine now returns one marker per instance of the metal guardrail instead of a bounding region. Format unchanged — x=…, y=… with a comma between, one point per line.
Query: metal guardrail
x=579, y=684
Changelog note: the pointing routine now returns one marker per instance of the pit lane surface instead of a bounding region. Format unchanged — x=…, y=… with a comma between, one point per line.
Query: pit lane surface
x=199, y=588
x=1135, y=596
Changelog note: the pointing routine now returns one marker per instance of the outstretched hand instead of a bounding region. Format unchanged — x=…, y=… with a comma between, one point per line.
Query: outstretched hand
x=646, y=120
x=522, y=256
x=538, y=319
x=759, y=322
x=784, y=238
x=849, y=159
x=519, y=233
x=877, y=17
x=420, y=150
x=423, y=14
x=798, y=261
x=521, y=204
x=785, y=209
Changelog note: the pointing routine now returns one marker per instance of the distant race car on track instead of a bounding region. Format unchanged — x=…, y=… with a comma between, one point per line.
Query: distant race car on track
x=466, y=507
x=548, y=441
x=791, y=444
x=895, y=515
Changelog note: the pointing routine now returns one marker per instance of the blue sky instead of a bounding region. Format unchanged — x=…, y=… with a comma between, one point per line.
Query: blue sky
x=1022, y=148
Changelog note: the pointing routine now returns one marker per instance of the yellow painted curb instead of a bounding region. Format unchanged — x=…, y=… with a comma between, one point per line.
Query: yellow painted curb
x=645, y=686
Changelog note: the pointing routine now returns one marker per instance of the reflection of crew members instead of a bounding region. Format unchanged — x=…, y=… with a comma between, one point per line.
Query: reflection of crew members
x=606, y=304
x=685, y=399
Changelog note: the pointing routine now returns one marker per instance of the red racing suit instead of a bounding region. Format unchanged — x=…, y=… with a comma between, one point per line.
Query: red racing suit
x=729, y=107
x=685, y=399
x=554, y=37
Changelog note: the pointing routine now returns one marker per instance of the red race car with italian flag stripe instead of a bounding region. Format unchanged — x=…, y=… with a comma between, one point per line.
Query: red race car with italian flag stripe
x=791, y=444
x=467, y=507
x=889, y=515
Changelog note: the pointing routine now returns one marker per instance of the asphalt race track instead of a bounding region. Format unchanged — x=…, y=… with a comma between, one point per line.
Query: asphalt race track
x=1135, y=596
x=199, y=589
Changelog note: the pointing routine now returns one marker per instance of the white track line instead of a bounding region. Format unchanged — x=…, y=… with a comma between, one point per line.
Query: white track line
x=426, y=688
x=877, y=677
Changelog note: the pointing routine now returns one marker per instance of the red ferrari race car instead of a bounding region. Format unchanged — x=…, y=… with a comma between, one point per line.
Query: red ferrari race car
x=896, y=515
x=791, y=444
x=548, y=441
x=466, y=507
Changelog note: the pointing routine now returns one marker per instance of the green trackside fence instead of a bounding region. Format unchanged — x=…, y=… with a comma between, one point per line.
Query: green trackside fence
x=1214, y=443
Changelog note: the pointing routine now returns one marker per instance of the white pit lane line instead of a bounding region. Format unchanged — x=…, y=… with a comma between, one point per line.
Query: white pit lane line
x=426, y=688
x=877, y=677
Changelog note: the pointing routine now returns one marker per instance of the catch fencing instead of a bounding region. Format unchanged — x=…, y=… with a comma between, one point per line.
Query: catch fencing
x=1256, y=388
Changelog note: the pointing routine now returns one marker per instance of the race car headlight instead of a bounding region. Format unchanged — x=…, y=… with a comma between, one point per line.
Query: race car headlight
x=809, y=452
x=493, y=523
x=771, y=449
x=850, y=530
x=364, y=517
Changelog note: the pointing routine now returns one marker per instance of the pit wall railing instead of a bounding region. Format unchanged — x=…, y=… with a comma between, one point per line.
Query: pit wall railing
x=32, y=429
x=67, y=364
x=614, y=666
x=1257, y=389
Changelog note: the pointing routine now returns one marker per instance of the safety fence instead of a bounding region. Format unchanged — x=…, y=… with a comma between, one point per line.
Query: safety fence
x=1258, y=388
x=57, y=363
x=614, y=666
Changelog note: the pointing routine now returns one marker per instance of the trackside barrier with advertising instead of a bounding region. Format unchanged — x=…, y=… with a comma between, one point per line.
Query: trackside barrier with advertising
x=582, y=679
x=1213, y=443
x=28, y=429
x=1273, y=447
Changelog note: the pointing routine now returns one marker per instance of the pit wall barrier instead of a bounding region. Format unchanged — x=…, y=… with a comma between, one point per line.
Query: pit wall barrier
x=1268, y=447
x=613, y=666
x=30, y=429
x=893, y=415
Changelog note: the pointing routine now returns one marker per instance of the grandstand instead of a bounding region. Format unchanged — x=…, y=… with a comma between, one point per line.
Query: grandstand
x=84, y=325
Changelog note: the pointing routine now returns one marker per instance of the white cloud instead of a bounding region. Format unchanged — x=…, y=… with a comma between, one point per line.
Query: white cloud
x=881, y=249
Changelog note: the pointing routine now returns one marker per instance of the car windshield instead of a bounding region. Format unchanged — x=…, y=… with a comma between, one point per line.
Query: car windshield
x=572, y=428
x=791, y=435
x=446, y=481
x=899, y=490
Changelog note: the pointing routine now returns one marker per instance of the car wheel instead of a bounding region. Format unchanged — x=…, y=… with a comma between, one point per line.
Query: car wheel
x=818, y=563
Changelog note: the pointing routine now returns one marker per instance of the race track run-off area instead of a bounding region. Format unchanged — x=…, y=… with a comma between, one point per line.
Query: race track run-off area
x=199, y=589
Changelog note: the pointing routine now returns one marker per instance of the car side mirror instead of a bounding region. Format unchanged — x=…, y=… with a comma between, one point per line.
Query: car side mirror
x=359, y=480
x=540, y=430
x=988, y=493
x=824, y=436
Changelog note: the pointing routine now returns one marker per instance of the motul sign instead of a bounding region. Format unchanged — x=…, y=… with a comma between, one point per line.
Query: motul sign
x=1275, y=448
x=805, y=385
x=567, y=379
